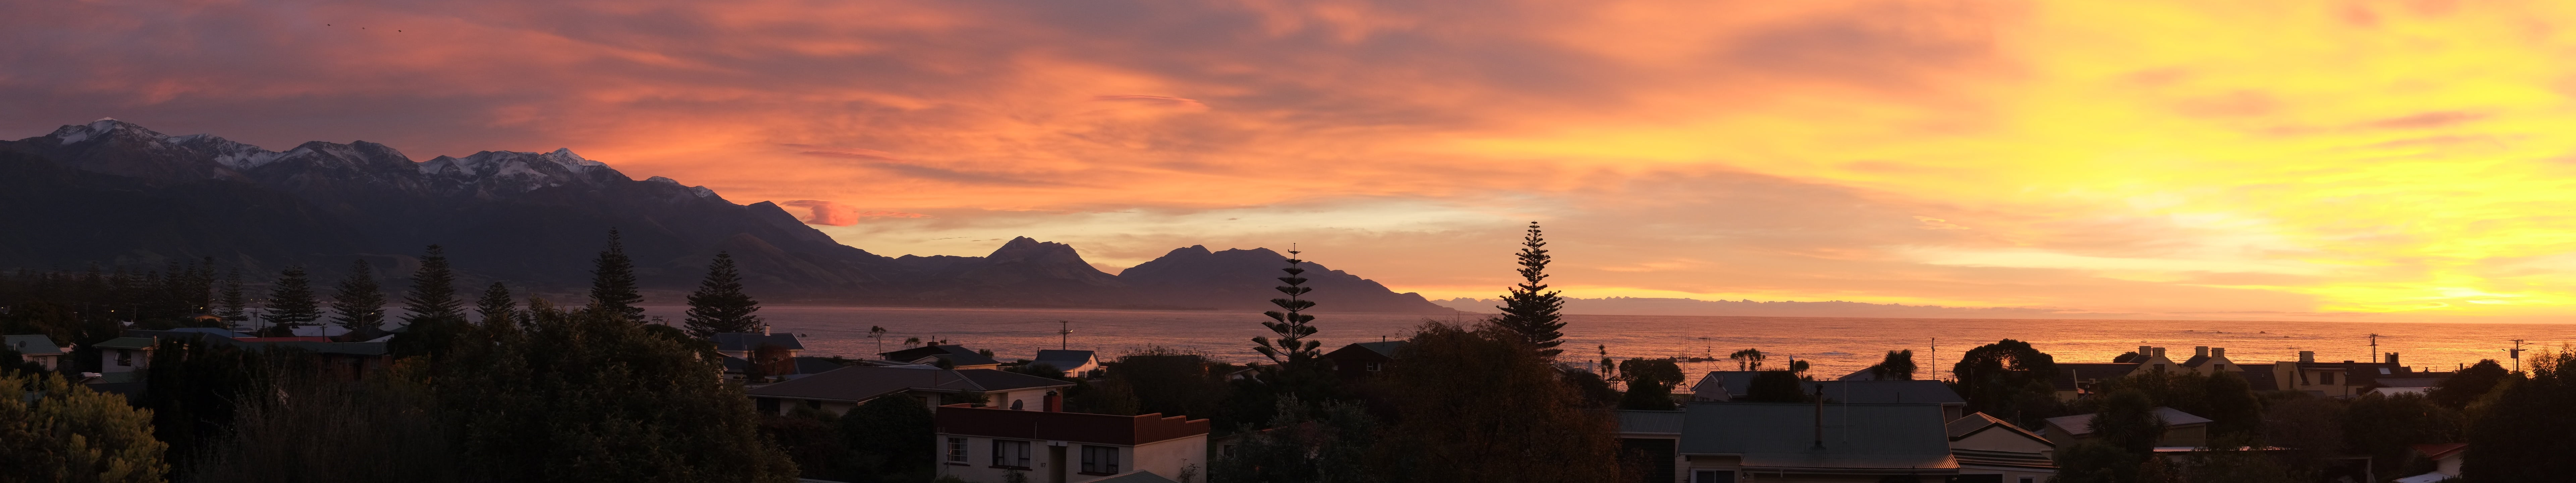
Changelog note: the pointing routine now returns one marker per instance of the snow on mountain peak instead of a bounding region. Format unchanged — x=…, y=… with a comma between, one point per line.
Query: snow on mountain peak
x=75, y=133
x=565, y=157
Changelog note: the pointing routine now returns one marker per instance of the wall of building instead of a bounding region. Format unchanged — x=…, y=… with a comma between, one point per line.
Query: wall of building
x=1168, y=457
x=1999, y=439
x=138, y=359
x=2003, y=474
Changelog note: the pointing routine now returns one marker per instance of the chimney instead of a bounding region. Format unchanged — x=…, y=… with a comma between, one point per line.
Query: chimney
x=2307, y=356
x=1054, y=402
x=2200, y=351
x=764, y=329
x=2160, y=351
x=2144, y=351
x=2392, y=358
x=2218, y=352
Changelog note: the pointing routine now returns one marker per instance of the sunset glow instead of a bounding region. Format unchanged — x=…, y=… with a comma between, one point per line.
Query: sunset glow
x=2357, y=160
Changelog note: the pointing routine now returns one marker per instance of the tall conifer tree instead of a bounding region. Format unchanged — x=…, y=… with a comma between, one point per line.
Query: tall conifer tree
x=433, y=290
x=1530, y=309
x=719, y=305
x=497, y=305
x=1292, y=348
x=358, y=303
x=290, y=300
x=233, y=303
x=612, y=285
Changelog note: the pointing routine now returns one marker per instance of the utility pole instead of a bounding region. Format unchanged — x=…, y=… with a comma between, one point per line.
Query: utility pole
x=2516, y=354
x=1936, y=358
x=1064, y=335
x=2374, y=349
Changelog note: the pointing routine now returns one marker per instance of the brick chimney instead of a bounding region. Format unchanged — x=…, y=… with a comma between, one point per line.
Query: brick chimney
x=2160, y=351
x=2144, y=351
x=2200, y=351
x=2307, y=356
x=2218, y=352
x=2392, y=358
x=1054, y=402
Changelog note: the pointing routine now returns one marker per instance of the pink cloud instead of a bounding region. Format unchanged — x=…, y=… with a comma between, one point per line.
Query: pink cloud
x=820, y=212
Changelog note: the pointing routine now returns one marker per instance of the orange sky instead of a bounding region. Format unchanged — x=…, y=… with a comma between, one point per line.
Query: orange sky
x=2341, y=160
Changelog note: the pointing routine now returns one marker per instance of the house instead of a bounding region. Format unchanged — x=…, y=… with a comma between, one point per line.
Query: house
x=1722, y=386
x=2182, y=430
x=1992, y=450
x=2446, y=462
x=345, y=360
x=1894, y=392
x=2076, y=380
x=2153, y=359
x=1652, y=441
x=949, y=356
x=125, y=354
x=1365, y=358
x=1729, y=442
x=1074, y=363
x=784, y=368
x=988, y=444
x=741, y=345
x=2206, y=360
x=37, y=348
x=2339, y=379
x=839, y=390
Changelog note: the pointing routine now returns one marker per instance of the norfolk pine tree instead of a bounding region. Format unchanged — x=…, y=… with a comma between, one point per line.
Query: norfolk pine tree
x=719, y=305
x=497, y=306
x=612, y=285
x=290, y=300
x=358, y=302
x=1529, y=309
x=233, y=303
x=1292, y=348
x=433, y=290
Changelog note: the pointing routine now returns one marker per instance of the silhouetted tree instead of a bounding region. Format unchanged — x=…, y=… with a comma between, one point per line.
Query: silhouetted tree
x=234, y=307
x=2469, y=384
x=1898, y=366
x=1482, y=405
x=892, y=437
x=1776, y=386
x=358, y=303
x=719, y=305
x=1530, y=309
x=613, y=288
x=2124, y=436
x=1291, y=348
x=1312, y=443
x=2524, y=435
x=1747, y=360
x=53, y=430
x=290, y=300
x=2006, y=378
x=497, y=306
x=1650, y=383
x=433, y=290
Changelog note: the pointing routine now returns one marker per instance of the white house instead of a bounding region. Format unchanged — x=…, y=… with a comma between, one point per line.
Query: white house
x=125, y=354
x=37, y=348
x=988, y=444
x=1985, y=445
x=1073, y=363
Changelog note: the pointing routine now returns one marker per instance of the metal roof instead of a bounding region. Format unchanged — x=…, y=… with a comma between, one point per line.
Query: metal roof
x=1886, y=392
x=1893, y=438
x=127, y=343
x=746, y=341
x=1650, y=422
x=33, y=345
x=2082, y=424
x=957, y=355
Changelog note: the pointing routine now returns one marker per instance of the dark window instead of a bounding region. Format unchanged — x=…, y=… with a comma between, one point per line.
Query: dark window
x=1015, y=404
x=2326, y=378
x=1100, y=459
x=813, y=404
x=767, y=405
x=124, y=357
x=1012, y=454
x=1997, y=478
x=1712, y=476
x=1653, y=457
x=956, y=450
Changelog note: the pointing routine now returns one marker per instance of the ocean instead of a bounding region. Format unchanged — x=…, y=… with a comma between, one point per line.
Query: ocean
x=1833, y=345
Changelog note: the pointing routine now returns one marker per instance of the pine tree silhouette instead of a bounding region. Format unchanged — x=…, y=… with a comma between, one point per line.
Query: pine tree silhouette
x=1292, y=348
x=719, y=305
x=433, y=290
x=612, y=284
x=290, y=300
x=234, y=305
x=1530, y=309
x=358, y=303
x=497, y=305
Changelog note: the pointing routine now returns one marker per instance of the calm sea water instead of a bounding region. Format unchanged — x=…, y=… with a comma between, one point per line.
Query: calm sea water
x=1833, y=345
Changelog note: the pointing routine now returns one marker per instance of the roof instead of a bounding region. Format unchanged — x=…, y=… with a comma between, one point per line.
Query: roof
x=2439, y=451
x=2082, y=424
x=1135, y=477
x=1055, y=426
x=1877, y=438
x=1650, y=422
x=211, y=331
x=2069, y=373
x=956, y=355
x=33, y=345
x=1864, y=374
x=1888, y=392
x=1992, y=458
x=1065, y=360
x=860, y=383
x=1980, y=422
x=1723, y=385
x=1378, y=349
x=2408, y=381
x=804, y=365
x=127, y=343
x=746, y=341
x=2195, y=361
x=2260, y=377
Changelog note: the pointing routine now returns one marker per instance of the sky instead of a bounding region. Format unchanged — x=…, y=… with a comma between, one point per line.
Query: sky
x=2347, y=160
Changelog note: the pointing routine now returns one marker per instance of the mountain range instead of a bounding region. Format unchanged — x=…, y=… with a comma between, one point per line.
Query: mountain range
x=115, y=193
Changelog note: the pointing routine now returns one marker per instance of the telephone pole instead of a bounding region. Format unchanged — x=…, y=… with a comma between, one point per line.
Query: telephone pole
x=2516, y=354
x=1064, y=335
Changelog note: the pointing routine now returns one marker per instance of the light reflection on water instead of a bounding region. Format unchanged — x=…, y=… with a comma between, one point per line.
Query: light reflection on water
x=1834, y=345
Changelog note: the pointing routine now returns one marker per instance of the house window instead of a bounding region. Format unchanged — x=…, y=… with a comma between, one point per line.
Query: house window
x=1374, y=366
x=1015, y=404
x=124, y=357
x=2028, y=479
x=815, y=405
x=1100, y=459
x=1010, y=454
x=1712, y=476
x=767, y=405
x=957, y=450
x=2326, y=378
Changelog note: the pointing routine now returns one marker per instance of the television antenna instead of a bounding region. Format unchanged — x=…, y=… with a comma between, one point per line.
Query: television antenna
x=2516, y=354
x=1064, y=335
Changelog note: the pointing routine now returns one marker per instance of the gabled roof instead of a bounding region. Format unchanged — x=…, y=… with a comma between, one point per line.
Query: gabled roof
x=747, y=341
x=1723, y=385
x=1650, y=422
x=1857, y=437
x=2082, y=424
x=1887, y=392
x=956, y=355
x=1378, y=349
x=1065, y=359
x=1864, y=374
x=861, y=383
x=2195, y=361
x=2260, y=377
x=127, y=343
x=33, y=345
x=1980, y=423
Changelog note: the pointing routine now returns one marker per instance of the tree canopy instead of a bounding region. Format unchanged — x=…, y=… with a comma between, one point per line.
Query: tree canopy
x=1530, y=309
x=719, y=305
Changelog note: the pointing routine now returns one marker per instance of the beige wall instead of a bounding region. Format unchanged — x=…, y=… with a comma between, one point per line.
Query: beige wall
x=140, y=358
x=1167, y=458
